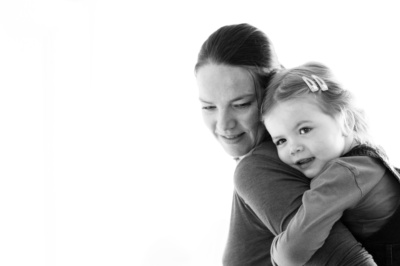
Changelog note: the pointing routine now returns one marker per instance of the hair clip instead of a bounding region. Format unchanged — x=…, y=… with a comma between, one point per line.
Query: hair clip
x=321, y=82
x=266, y=70
x=311, y=84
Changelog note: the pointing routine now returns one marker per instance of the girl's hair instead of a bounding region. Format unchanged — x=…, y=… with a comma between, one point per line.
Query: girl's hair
x=289, y=84
x=241, y=45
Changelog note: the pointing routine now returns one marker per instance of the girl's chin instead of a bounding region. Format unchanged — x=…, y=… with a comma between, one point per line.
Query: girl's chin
x=311, y=173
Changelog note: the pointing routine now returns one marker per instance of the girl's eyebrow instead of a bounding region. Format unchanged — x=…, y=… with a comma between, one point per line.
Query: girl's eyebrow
x=301, y=122
x=277, y=137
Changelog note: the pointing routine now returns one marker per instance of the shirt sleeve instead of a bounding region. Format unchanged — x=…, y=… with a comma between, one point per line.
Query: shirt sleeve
x=249, y=241
x=274, y=193
x=336, y=189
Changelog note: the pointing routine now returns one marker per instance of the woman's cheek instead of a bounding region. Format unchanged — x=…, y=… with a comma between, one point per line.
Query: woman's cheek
x=253, y=118
x=208, y=121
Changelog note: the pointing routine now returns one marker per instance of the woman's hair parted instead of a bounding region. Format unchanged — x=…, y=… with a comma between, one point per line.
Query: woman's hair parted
x=241, y=45
x=289, y=84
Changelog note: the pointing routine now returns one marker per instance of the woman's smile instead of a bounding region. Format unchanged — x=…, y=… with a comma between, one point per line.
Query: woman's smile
x=232, y=139
x=229, y=107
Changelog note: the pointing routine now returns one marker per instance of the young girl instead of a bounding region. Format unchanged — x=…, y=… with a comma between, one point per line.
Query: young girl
x=318, y=131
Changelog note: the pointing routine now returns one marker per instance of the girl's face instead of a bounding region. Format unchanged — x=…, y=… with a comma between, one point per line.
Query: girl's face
x=229, y=107
x=306, y=137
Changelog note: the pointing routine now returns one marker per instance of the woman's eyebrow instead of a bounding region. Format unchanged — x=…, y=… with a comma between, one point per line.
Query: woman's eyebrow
x=203, y=101
x=243, y=97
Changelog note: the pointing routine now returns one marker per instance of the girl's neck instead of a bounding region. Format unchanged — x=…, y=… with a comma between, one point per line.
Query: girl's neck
x=350, y=143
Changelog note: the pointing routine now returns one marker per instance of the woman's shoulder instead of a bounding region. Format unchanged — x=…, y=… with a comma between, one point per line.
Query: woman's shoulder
x=261, y=157
x=272, y=189
x=266, y=149
x=263, y=165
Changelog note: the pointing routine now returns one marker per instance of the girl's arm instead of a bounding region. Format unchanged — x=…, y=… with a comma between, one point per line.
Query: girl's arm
x=273, y=191
x=336, y=189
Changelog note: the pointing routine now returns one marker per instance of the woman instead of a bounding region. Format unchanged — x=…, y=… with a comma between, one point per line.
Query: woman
x=233, y=67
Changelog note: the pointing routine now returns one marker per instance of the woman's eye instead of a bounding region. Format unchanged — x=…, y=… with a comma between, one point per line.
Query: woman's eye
x=304, y=130
x=208, y=108
x=280, y=142
x=242, y=105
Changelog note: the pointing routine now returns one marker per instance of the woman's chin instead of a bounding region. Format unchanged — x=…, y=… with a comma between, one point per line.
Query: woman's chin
x=235, y=150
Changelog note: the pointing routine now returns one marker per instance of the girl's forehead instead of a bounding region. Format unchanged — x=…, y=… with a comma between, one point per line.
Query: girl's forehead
x=301, y=101
x=296, y=107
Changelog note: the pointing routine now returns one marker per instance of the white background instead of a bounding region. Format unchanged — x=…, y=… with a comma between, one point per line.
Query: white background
x=104, y=158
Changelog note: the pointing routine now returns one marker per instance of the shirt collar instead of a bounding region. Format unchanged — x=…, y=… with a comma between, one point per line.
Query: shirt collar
x=238, y=159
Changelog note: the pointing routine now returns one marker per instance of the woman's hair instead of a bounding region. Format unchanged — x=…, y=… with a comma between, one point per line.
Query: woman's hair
x=241, y=45
x=335, y=101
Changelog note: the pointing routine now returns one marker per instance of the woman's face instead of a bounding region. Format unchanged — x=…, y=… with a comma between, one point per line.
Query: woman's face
x=229, y=107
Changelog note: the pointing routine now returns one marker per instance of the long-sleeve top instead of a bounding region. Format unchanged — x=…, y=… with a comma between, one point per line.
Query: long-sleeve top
x=359, y=188
x=267, y=195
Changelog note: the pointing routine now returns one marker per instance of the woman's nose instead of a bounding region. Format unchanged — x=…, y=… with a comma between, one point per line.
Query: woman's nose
x=226, y=121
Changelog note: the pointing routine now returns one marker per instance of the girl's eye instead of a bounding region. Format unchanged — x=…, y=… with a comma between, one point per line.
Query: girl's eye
x=208, y=108
x=304, y=130
x=280, y=142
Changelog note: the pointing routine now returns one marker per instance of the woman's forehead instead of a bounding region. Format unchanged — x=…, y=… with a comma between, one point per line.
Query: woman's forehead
x=224, y=82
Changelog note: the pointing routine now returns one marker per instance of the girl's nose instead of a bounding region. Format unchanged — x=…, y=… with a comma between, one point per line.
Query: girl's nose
x=295, y=149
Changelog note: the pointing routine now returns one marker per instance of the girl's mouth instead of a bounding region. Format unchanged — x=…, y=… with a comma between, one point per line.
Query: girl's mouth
x=304, y=163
